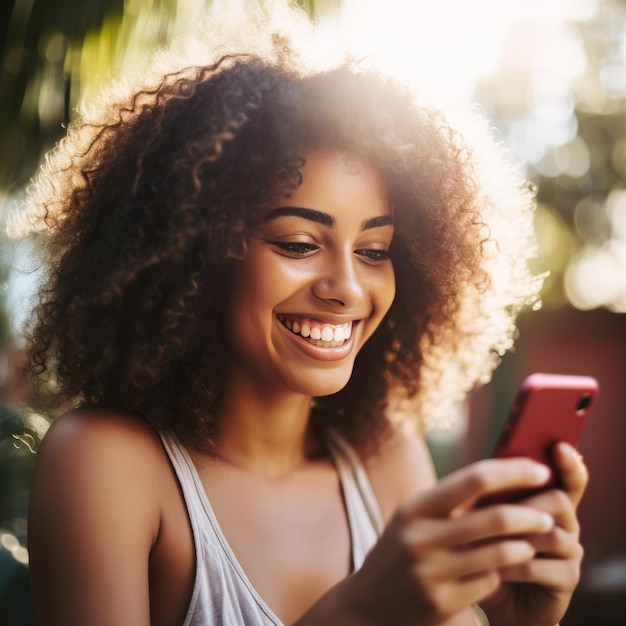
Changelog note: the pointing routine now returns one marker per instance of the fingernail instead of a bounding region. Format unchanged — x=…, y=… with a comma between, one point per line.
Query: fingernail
x=542, y=473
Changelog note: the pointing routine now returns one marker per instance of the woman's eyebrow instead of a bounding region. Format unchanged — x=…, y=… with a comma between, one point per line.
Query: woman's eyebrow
x=376, y=222
x=324, y=218
x=298, y=211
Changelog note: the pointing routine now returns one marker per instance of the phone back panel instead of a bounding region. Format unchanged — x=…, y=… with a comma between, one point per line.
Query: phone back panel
x=548, y=408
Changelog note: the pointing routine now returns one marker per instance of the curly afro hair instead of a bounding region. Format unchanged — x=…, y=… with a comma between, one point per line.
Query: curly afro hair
x=147, y=202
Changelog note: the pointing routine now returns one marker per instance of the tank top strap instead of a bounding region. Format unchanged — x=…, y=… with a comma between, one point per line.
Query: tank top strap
x=186, y=476
x=363, y=511
x=222, y=594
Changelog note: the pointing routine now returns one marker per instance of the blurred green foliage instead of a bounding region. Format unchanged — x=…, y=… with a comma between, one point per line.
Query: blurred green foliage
x=40, y=42
x=54, y=51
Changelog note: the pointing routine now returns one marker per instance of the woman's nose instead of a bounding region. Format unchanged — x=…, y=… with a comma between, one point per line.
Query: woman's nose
x=340, y=282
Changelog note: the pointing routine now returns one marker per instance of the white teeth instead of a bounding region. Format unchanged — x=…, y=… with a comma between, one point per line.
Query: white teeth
x=326, y=336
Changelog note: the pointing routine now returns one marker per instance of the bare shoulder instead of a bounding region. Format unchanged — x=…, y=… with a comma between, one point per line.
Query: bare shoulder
x=98, y=427
x=96, y=457
x=400, y=468
x=94, y=517
x=92, y=447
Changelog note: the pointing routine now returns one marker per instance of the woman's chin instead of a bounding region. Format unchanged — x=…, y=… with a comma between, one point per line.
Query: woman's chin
x=326, y=386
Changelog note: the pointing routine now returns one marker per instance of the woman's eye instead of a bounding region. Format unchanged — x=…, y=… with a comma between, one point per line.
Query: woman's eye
x=374, y=254
x=295, y=248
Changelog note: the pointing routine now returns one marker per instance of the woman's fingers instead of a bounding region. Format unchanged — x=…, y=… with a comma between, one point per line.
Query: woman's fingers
x=483, y=524
x=557, y=503
x=448, y=581
x=474, y=482
x=556, y=564
x=475, y=560
x=572, y=471
x=556, y=544
x=485, y=540
x=561, y=574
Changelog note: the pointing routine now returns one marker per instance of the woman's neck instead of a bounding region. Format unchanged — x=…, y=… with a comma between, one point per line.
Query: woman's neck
x=263, y=431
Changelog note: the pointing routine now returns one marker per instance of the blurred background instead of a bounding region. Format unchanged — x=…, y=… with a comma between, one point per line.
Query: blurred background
x=551, y=78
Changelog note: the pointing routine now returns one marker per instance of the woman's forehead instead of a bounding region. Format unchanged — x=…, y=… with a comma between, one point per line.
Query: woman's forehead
x=327, y=177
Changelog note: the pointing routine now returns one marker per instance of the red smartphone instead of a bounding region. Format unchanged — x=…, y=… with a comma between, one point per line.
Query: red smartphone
x=548, y=408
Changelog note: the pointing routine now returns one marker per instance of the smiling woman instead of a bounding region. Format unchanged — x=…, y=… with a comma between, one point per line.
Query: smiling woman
x=250, y=262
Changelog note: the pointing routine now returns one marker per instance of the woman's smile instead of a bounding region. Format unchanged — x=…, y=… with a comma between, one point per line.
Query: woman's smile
x=321, y=334
x=320, y=340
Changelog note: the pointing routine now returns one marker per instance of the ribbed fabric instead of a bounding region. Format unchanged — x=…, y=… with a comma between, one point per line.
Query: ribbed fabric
x=222, y=594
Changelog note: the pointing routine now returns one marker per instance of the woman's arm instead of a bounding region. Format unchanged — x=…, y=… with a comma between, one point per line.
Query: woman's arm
x=93, y=518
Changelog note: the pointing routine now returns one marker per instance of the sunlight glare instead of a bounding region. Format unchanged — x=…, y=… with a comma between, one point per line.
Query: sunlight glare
x=444, y=46
x=438, y=46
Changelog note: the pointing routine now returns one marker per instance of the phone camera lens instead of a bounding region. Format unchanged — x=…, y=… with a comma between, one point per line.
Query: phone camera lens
x=583, y=402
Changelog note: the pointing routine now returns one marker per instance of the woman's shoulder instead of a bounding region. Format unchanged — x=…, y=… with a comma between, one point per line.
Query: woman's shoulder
x=99, y=456
x=90, y=435
x=400, y=468
x=88, y=425
x=98, y=500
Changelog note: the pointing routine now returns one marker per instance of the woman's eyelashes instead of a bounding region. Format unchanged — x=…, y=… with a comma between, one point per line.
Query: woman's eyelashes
x=295, y=248
x=301, y=249
x=374, y=254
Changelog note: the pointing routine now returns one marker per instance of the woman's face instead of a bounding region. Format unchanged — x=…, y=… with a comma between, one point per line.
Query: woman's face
x=316, y=280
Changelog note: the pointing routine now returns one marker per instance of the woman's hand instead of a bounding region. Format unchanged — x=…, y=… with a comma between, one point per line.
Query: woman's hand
x=440, y=555
x=537, y=592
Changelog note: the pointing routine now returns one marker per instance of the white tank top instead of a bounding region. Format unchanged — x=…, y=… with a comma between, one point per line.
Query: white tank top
x=222, y=594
